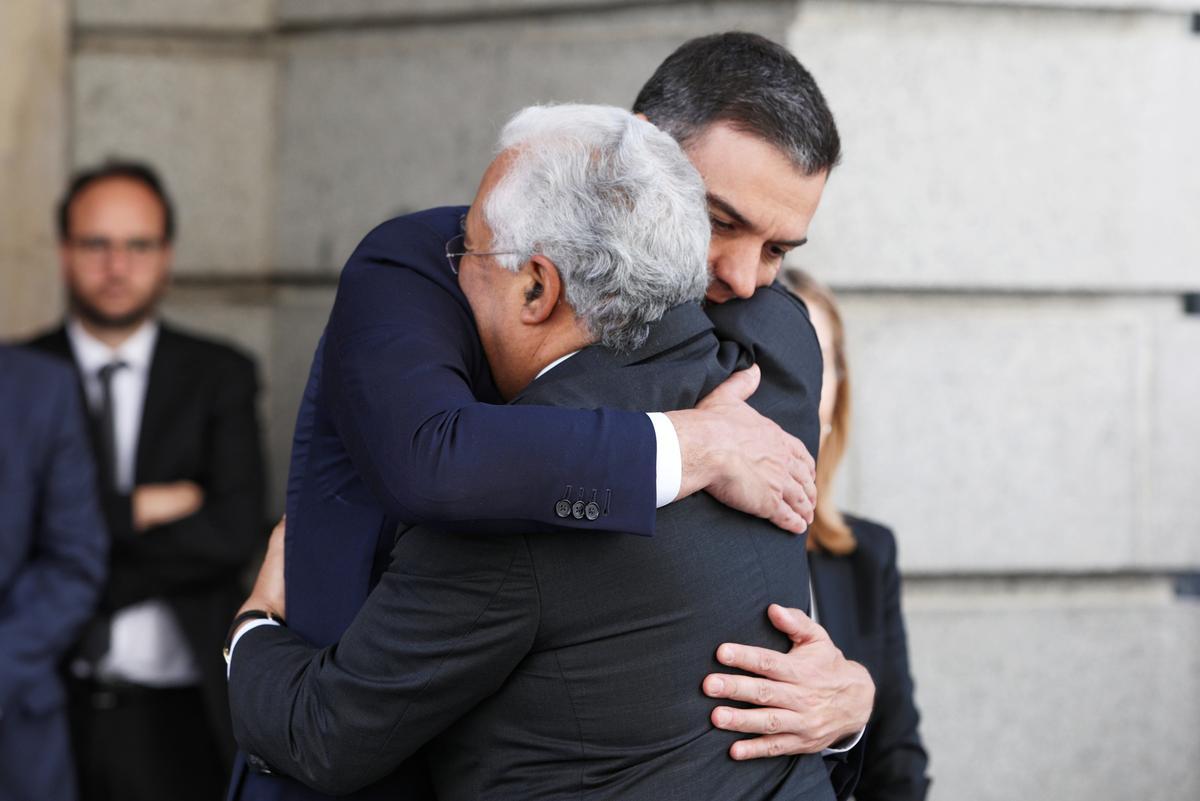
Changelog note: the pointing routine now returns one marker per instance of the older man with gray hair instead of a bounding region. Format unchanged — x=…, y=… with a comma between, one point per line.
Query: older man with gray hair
x=540, y=665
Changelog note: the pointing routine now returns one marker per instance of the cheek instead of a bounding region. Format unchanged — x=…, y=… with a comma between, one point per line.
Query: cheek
x=149, y=280
x=768, y=272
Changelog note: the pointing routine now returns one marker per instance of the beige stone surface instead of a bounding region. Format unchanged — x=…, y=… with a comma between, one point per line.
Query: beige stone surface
x=324, y=11
x=239, y=15
x=33, y=136
x=208, y=123
x=1007, y=147
x=1026, y=433
x=380, y=123
x=1080, y=690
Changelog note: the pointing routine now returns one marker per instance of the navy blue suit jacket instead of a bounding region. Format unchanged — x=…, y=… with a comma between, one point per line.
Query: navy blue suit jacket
x=858, y=603
x=53, y=553
x=400, y=422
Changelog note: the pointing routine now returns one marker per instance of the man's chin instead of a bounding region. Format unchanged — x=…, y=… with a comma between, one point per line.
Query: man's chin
x=99, y=317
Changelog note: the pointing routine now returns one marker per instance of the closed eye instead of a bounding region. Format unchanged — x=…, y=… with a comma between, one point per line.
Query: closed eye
x=720, y=226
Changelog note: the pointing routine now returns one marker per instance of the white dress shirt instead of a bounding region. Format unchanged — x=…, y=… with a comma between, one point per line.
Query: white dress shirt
x=146, y=644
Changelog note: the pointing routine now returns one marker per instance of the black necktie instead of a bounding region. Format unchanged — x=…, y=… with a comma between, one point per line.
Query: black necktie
x=94, y=640
x=108, y=432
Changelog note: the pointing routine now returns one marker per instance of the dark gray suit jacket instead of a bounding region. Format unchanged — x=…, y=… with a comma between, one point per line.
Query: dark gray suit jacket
x=552, y=666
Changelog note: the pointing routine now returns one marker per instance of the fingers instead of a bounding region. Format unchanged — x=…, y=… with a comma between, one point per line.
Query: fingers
x=795, y=495
x=799, y=627
x=800, y=452
x=788, y=519
x=754, y=721
x=752, y=690
x=752, y=659
x=737, y=387
x=781, y=730
x=772, y=745
x=805, y=479
x=803, y=471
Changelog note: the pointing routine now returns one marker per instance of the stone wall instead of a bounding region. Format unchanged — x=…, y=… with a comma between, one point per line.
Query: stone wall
x=1012, y=230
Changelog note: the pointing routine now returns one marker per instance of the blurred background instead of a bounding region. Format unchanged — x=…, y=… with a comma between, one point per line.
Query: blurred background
x=1014, y=234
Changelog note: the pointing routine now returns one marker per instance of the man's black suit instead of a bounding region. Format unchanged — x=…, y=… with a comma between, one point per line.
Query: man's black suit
x=546, y=666
x=199, y=423
x=858, y=603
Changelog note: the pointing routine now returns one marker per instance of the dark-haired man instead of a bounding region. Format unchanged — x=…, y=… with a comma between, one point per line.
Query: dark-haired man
x=755, y=125
x=176, y=438
x=538, y=665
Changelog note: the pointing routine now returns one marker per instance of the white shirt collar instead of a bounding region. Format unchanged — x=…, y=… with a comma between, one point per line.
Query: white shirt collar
x=554, y=364
x=92, y=354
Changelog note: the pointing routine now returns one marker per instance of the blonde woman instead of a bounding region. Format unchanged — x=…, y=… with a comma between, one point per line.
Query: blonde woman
x=856, y=585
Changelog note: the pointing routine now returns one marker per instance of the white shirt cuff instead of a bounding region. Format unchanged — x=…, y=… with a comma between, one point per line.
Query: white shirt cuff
x=253, y=624
x=669, y=464
x=839, y=748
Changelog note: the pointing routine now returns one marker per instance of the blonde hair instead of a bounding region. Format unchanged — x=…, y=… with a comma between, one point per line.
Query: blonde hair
x=829, y=531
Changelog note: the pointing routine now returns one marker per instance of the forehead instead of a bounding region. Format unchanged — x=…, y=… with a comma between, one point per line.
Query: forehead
x=757, y=179
x=118, y=204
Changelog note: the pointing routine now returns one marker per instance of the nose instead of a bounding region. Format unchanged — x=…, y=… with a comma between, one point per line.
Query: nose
x=738, y=272
x=118, y=261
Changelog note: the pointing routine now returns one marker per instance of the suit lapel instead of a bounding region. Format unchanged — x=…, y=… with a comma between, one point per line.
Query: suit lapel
x=837, y=607
x=164, y=387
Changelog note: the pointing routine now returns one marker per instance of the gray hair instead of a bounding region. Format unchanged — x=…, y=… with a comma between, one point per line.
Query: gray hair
x=614, y=203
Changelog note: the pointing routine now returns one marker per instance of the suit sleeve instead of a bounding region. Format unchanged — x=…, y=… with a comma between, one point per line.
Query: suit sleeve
x=56, y=591
x=404, y=376
x=774, y=327
x=216, y=542
x=894, y=762
x=450, y=619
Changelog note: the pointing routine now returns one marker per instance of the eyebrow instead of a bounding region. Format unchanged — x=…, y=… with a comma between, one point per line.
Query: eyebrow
x=727, y=208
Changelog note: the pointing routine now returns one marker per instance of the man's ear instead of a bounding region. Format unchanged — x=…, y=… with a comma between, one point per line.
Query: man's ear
x=543, y=288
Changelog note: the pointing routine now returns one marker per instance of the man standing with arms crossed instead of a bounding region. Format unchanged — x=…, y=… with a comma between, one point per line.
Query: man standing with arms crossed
x=175, y=431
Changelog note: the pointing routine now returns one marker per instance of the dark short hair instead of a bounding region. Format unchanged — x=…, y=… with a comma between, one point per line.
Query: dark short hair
x=750, y=82
x=131, y=170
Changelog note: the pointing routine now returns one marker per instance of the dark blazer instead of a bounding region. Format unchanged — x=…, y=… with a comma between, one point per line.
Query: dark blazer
x=550, y=666
x=52, y=557
x=199, y=423
x=858, y=603
x=400, y=422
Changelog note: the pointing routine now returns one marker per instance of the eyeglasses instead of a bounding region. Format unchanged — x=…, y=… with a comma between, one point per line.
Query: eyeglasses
x=456, y=248
x=101, y=247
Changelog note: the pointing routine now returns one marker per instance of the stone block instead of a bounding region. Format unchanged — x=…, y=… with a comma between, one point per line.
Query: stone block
x=34, y=60
x=993, y=146
x=1024, y=433
x=1171, y=478
x=230, y=15
x=1085, y=5
x=323, y=11
x=207, y=123
x=1086, y=690
x=375, y=124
